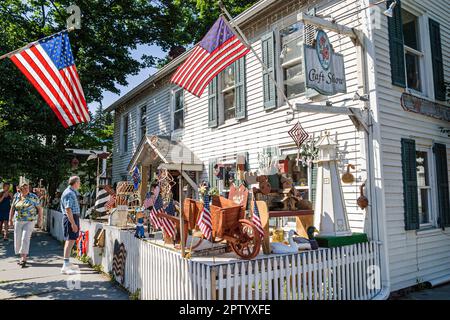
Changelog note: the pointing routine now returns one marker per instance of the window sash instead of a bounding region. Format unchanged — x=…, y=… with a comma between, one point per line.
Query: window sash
x=178, y=109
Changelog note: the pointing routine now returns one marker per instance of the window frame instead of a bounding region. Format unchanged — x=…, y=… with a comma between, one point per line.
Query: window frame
x=221, y=101
x=280, y=66
x=432, y=185
x=175, y=91
x=425, y=63
x=292, y=151
x=140, y=126
x=124, y=137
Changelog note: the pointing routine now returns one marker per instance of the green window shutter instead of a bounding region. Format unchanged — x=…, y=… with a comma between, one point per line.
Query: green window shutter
x=213, y=104
x=396, y=46
x=240, y=98
x=410, y=196
x=268, y=57
x=212, y=178
x=436, y=57
x=440, y=153
x=313, y=184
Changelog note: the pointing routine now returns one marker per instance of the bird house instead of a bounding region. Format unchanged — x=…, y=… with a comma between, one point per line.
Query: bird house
x=327, y=148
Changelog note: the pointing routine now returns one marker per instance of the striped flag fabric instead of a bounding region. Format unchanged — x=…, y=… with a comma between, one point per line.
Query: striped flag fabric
x=256, y=220
x=167, y=225
x=111, y=202
x=157, y=208
x=216, y=51
x=49, y=65
x=204, y=219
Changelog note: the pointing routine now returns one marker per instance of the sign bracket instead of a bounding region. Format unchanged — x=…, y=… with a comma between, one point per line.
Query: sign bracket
x=360, y=118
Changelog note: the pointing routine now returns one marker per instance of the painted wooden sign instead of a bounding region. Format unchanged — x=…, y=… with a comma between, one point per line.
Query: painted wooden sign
x=415, y=104
x=324, y=69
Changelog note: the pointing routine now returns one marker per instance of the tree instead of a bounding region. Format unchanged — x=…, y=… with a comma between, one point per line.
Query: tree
x=33, y=140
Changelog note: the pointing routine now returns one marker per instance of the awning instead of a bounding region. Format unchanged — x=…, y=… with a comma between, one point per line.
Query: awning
x=163, y=153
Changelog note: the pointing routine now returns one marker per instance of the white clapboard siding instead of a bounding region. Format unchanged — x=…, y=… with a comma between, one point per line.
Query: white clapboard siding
x=412, y=257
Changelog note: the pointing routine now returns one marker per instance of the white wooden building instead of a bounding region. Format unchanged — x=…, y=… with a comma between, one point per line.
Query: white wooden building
x=401, y=62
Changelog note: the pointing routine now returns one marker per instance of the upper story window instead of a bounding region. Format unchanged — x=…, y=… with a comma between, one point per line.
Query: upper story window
x=291, y=40
x=178, y=109
x=143, y=121
x=125, y=132
x=228, y=89
x=413, y=51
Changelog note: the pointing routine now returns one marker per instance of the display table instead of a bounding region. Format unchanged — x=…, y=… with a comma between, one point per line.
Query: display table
x=304, y=219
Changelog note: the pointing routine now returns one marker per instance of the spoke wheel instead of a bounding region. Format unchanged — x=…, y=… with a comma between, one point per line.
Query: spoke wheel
x=248, y=242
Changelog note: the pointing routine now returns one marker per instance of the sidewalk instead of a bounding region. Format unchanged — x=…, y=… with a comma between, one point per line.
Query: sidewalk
x=42, y=278
x=437, y=293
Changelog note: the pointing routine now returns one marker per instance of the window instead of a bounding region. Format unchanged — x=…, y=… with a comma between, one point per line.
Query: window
x=291, y=59
x=424, y=186
x=413, y=53
x=228, y=89
x=125, y=131
x=143, y=121
x=178, y=109
x=300, y=174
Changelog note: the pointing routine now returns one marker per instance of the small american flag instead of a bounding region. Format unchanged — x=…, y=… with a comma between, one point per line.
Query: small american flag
x=167, y=225
x=217, y=50
x=256, y=219
x=148, y=202
x=204, y=220
x=111, y=202
x=157, y=208
x=49, y=65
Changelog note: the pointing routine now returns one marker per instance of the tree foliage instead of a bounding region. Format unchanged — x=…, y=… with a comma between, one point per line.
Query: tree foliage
x=33, y=142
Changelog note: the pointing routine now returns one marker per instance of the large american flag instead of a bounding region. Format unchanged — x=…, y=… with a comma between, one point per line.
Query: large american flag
x=256, y=219
x=217, y=50
x=49, y=66
x=204, y=219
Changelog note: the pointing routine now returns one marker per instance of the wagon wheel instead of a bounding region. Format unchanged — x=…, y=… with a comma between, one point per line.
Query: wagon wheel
x=247, y=239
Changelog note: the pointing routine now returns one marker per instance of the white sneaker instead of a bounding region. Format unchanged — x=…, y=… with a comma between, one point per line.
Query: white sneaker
x=70, y=269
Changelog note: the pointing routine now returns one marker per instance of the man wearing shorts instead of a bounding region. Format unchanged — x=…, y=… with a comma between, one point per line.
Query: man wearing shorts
x=71, y=221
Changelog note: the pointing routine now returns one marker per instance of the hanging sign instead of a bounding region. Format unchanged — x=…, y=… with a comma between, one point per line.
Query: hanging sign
x=324, y=69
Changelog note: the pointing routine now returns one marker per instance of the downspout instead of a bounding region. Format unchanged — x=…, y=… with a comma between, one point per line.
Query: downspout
x=375, y=169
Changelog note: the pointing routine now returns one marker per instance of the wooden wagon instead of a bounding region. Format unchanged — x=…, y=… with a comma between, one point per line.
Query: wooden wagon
x=228, y=224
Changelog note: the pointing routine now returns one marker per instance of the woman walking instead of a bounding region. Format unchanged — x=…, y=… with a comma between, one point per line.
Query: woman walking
x=5, y=207
x=25, y=209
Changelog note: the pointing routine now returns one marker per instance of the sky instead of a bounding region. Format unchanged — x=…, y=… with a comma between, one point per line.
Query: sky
x=133, y=81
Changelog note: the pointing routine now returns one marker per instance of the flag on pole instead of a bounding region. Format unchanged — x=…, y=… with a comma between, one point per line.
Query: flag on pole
x=256, y=219
x=49, y=65
x=204, y=219
x=217, y=50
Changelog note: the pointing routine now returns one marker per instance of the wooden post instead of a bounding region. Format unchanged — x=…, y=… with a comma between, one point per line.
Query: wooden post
x=264, y=216
x=180, y=186
x=144, y=183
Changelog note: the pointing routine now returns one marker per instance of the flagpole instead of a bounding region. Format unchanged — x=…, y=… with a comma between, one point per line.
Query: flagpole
x=233, y=25
x=9, y=54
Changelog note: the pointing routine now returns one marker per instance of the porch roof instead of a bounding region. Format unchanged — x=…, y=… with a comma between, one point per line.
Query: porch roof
x=162, y=152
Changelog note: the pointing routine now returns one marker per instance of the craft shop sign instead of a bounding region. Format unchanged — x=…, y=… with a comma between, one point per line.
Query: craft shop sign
x=428, y=108
x=324, y=69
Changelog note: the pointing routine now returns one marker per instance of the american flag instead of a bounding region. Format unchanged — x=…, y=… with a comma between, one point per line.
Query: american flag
x=49, y=65
x=204, y=220
x=157, y=208
x=167, y=225
x=148, y=202
x=217, y=50
x=256, y=219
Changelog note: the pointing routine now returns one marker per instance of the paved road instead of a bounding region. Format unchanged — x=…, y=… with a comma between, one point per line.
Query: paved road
x=42, y=278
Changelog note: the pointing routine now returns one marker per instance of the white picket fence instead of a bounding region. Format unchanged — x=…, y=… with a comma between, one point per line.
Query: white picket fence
x=160, y=273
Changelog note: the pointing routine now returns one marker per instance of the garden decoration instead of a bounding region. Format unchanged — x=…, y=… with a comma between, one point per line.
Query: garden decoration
x=362, y=201
x=281, y=248
x=348, y=177
x=82, y=243
x=119, y=258
x=299, y=135
x=166, y=183
x=136, y=177
x=140, y=224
